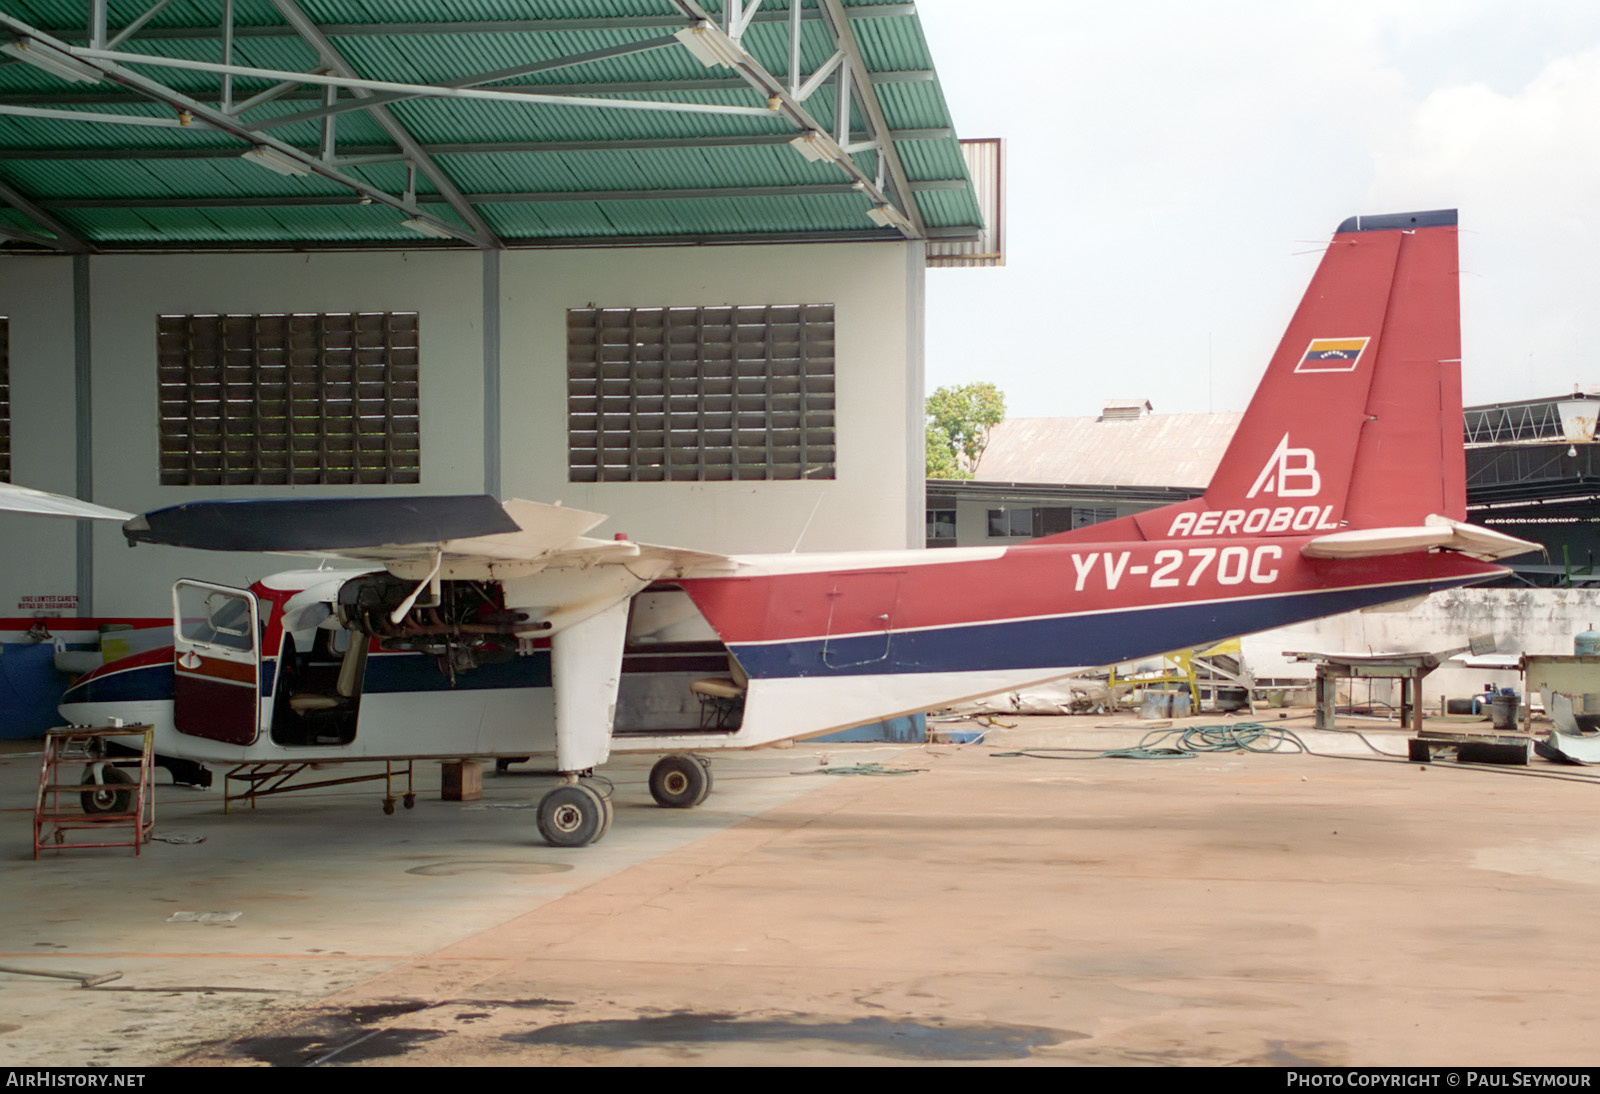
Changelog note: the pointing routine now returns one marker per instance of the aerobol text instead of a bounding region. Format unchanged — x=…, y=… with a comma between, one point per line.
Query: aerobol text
x=1229, y=522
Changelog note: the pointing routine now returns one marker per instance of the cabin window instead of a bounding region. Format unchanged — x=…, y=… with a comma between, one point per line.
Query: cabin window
x=700, y=394
x=289, y=399
x=5, y=399
x=214, y=617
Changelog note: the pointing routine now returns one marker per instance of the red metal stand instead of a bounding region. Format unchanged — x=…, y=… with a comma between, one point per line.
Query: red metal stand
x=98, y=802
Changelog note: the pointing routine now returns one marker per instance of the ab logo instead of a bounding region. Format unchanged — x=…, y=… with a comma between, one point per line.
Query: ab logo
x=1289, y=473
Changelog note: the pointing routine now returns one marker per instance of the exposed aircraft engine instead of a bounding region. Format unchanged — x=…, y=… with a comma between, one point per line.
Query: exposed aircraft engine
x=467, y=626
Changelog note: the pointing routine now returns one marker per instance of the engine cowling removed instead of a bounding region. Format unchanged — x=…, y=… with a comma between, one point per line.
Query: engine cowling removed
x=467, y=625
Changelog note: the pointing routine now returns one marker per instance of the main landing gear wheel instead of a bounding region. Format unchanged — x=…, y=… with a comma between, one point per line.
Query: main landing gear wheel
x=605, y=804
x=107, y=798
x=573, y=816
x=680, y=781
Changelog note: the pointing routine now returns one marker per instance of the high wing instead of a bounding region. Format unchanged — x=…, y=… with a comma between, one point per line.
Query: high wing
x=470, y=537
x=20, y=499
x=538, y=552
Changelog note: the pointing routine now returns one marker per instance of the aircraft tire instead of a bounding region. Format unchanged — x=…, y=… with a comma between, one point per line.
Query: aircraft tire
x=572, y=816
x=680, y=781
x=107, y=798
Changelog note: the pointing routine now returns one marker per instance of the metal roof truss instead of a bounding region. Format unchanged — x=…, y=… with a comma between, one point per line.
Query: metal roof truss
x=141, y=63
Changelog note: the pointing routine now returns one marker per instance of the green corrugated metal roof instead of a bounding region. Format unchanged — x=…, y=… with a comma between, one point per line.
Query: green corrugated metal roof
x=501, y=172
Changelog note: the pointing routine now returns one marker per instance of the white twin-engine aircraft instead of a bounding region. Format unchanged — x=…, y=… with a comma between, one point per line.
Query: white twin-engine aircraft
x=497, y=631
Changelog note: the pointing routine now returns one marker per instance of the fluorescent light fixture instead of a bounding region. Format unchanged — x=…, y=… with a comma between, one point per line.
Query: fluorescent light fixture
x=426, y=227
x=709, y=45
x=809, y=146
x=53, y=61
x=273, y=160
x=887, y=216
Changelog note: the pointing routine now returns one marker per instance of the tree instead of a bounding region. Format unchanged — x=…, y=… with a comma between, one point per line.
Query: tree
x=959, y=420
x=941, y=457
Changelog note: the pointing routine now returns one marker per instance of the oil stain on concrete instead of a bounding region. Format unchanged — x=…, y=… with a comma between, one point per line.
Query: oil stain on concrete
x=351, y=1035
x=902, y=1038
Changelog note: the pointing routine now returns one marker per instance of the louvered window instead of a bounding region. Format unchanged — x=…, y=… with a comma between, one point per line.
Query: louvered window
x=289, y=399
x=700, y=394
x=5, y=399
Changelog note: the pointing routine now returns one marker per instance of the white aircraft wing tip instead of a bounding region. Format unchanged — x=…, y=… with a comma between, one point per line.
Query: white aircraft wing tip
x=22, y=499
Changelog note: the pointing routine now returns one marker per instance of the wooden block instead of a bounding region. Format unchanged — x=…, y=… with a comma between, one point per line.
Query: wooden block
x=461, y=781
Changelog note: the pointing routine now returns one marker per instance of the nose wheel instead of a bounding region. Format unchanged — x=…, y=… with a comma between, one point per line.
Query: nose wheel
x=574, y=816
x=113, y=794
x=680, y=781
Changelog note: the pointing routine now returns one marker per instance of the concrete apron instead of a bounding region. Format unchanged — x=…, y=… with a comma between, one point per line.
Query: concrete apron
x=1223, y=909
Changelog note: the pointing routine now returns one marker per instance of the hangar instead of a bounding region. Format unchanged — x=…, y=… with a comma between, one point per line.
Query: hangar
x=647, y=258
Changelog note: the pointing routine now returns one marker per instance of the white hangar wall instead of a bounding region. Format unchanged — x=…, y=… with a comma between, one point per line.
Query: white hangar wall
x=129, y=292
x=38, y=556
x=472, y=340
x=875, y=290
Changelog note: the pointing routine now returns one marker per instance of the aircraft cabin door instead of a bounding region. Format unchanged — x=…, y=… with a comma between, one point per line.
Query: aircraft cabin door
x=216, y=639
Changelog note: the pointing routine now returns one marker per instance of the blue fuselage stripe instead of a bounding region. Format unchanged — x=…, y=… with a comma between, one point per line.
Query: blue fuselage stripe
x=386, y=674
x=1103, y=638
x=131, y=685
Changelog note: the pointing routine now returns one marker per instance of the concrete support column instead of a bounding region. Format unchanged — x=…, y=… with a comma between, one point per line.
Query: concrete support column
x=83, y=424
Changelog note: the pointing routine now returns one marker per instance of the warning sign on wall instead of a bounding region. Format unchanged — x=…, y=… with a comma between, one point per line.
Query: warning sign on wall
x=48, y=605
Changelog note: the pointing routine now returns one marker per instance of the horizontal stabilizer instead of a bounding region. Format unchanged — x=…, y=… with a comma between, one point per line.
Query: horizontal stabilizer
x=1439, y=532
x=20, y=499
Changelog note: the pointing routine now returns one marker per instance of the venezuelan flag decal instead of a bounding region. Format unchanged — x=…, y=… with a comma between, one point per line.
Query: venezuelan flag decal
x=1332, y=355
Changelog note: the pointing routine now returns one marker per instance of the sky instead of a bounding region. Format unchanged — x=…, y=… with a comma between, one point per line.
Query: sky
x=1175, y=168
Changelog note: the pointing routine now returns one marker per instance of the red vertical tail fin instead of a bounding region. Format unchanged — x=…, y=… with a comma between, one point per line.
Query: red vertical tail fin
x=1360, y=410
x=1357, y=422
